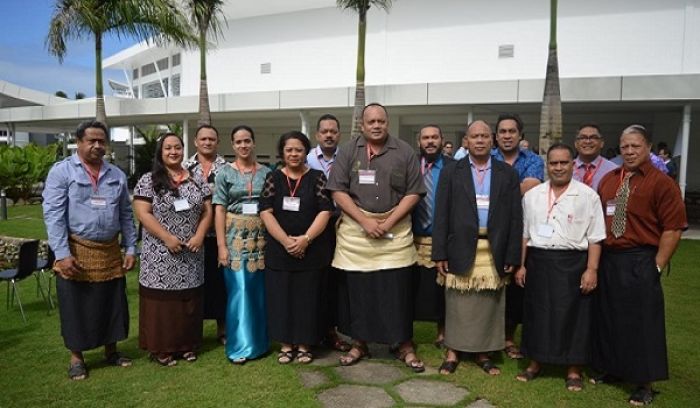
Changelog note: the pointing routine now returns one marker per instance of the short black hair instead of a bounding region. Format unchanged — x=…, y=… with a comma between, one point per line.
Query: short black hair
x=243, y=127
x=448, y=143
x=294, y=134
x=369, y=105
x=82, y=127
x=561, y=146
x=327, y=116
x=510, y=116
x=590, y=125
x=431, y=125
x=196, y=133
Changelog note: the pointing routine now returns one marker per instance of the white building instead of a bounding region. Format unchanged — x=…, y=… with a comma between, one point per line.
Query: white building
x=280, y=64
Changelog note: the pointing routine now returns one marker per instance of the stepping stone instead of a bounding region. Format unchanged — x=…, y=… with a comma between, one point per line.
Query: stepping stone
x=312, y=379
x=419, y=391
x=326, y=358
x=481, y=403
x=370, y=373
x=355, y=396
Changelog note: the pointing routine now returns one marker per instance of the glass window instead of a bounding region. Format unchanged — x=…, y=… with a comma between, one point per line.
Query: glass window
x=163, y=64
x=176, y=60
x=152, y=90
x=135, y=74
x=176, y=85
x=148, y=69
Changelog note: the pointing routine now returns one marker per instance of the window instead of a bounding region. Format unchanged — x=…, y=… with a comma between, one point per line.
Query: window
x=176, y=60
x=163, y=64
x=148, y=69
x=152, y=90
x=135, y=90
x=135, y=74
x=176, y=85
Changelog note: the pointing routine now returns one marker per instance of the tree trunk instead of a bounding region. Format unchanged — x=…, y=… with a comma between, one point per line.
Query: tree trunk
x=550, y=117
x=360, y=75
x=204, y=112
x=100, y=111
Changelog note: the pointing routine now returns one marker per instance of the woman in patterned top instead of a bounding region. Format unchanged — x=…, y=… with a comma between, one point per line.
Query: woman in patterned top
x=175, y=211
x=296, y=210
x=239, y=236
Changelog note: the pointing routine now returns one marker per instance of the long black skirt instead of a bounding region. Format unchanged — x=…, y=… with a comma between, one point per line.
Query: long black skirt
x=629, y=333
x=214, y=285
x=295, y=308
x=514, y=304
x=377, y=306
x=429, y=297
x=92, y=314
x=330, y=297
x=556, y=315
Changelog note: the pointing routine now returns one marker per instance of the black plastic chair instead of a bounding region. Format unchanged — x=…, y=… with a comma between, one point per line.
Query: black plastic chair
x=26, y=266
x=44, y=265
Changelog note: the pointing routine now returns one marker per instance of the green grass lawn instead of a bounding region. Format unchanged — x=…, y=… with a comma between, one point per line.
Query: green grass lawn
x=33, y=361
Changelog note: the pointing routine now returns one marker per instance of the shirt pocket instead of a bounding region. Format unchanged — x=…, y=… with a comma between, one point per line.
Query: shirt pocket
x=398, y=181
x=110, y=190
x=81, y=191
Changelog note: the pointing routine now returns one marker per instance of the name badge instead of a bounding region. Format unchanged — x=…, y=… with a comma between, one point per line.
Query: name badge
x=367, y=176
x=291, y=203
x=181, y=204
x=545, y=231
x=98, y=202
x=610, y=208
x=482, y=201
x=250, y=208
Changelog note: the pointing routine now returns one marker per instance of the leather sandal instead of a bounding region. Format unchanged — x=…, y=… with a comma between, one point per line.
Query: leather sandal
x=77, y=371
x=360, y=351
x=642, y=396
x=285, y=357
x=190, y=356
x=448, y=367
x=527, y=375
x=574, y=384
x=513, y=352
x=117, y=359
x=487, y=365
x=166, y=360
x=414, y=364
x=304, y=357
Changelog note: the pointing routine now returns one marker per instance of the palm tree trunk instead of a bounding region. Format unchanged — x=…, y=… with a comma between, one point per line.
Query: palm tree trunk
x=550, y=117
x=360, y=75
x=100, y=111
x=204, y=112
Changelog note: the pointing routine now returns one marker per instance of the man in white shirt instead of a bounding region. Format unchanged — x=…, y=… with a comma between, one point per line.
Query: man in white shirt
x=563, y=227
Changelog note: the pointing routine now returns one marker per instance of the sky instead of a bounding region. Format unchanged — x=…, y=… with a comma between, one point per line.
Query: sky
x=25, y=61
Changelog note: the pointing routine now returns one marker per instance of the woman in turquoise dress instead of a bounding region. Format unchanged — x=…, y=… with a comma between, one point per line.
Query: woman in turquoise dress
x=240, y=238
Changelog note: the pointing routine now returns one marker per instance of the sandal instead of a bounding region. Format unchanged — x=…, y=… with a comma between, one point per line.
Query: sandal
x=513, y=352
x=285, y=357
x=603, y=379
x=118, y=360
x=166, y=360
x=574, y=384
x=642, y=396
x=239, y=361
x=360, y=351
x=488, y=366
x=414, y=364
x=222, y=339
x=439, y=343
x=528, y=375
x=77, y=371
x=304, y=357
x=448, y=367
x=190, y=356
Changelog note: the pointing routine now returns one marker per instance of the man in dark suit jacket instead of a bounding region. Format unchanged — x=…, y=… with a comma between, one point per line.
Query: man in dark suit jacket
x=477, y=238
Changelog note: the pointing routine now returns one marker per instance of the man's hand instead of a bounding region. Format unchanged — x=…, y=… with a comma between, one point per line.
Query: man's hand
x=520, y=276
x=589, y=281
x=442, y=267
x=373, y=227
x=68, y=267
x=129, y=262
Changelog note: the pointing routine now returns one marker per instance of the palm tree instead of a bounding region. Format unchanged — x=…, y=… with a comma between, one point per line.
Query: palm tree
x=61, y=94
x=361, y=7
x=205, y=15
x=152, y=20
x=550, y=117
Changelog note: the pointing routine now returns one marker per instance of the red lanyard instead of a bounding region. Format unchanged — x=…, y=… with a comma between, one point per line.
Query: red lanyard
x=206, y=169
x=249, y=185
x=595, y=166
x=551, y=201
x=289, y=184
x=179, y=178
x=94, y=176
x=322, y=159
x=370, y=154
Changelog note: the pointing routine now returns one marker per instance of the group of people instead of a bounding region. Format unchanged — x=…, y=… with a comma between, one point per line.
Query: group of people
x=366, y=238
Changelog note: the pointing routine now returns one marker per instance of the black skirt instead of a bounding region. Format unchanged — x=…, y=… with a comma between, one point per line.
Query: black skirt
x=92, y=314
x=514, y=304
x=295, y=308
x=629, y=333
x=429, y=297
x=214, y=285
x=556, y=315
x=377, y=306
x=170, y=321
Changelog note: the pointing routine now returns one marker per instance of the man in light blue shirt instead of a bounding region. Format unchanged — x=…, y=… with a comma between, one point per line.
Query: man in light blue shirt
x=86, y=207
x=322, y=156
x=590, y=166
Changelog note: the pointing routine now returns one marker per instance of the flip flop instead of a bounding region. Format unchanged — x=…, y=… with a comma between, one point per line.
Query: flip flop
x=527, y=375
x=117, y=359
x=448, y=367
x=574, y=384
x=488, y=365
x=78, y=371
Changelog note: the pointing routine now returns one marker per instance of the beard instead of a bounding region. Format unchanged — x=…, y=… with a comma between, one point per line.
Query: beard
x=430, y=157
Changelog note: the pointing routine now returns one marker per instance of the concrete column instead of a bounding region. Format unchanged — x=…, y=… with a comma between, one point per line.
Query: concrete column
x=304, y=118
x=186, y=137
x=683, y=171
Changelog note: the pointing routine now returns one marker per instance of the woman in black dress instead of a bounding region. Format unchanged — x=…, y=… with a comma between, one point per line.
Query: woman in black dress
x=295, y=209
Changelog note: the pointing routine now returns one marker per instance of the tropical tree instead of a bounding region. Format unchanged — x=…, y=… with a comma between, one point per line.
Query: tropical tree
x=152, y=20
x=550, y=116
x=206, y=16
x=361, y=7
x=79, y=95
x=61, y=94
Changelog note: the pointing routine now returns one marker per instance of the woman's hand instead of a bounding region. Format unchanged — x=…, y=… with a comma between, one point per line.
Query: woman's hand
x=296, y=246
x=195, y=243
x=223, y=255
x=173, y=244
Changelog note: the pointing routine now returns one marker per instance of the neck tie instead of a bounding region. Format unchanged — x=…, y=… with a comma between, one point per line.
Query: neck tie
x=426, y=208
x=620, y=216
x=588, y=175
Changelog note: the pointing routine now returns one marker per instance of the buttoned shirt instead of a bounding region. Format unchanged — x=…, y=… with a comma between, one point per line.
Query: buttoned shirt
x=434, y=169
x=601, y=167
x=482, y=187
x=654, y=205
x=527, y=164
x=397, y=174
x=72, y=205
x=316, y=160
x=461, y=153
x=572, y=221
x=195, y=167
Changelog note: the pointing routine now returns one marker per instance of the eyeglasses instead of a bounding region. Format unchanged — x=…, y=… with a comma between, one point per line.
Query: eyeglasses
x=588, y=138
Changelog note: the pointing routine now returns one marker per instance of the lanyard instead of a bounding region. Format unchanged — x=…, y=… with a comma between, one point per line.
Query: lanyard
x=552, y=201
x=425, y=168
x=249, y=185
x=179, y=178
x=595, y=166
x=206, y=170
x=289, y=184
x=322, y=159
x=370, y=155
x=93, y=176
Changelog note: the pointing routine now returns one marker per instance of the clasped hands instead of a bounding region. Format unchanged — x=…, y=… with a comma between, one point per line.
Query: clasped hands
x=375, y=227
x=175, y=246
x=296, y=245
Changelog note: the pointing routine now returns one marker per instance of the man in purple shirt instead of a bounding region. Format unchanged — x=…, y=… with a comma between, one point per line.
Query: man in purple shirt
x=590, y=166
